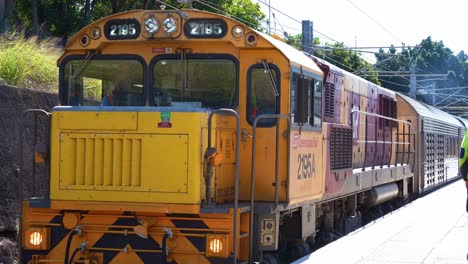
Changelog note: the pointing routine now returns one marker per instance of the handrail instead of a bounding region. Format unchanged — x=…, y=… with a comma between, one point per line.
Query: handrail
x=230, y=112
x=19, y=171
x=252, y=180
x=405, y=124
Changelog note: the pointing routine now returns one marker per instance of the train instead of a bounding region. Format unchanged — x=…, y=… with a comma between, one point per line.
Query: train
x=184, y=136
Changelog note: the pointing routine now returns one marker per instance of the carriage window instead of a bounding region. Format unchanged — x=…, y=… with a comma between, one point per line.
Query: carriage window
x=261, y=95
x=317, y=104
x=386, y=108
x=103, y=82
x=198, y=82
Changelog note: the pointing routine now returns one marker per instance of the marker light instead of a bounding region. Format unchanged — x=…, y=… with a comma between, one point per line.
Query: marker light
x=237, y=31
x=84, y=41
x=151, y=25
x=36, y=238
x=251, y=39
x=169, y=25
x=217, y=246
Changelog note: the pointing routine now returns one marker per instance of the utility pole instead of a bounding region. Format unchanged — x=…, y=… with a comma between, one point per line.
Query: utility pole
x=433, y=93
x=412, y=85
x=269, y=17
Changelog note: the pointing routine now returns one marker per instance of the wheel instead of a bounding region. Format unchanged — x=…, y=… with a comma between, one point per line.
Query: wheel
x=297, y=250
x=311, y=242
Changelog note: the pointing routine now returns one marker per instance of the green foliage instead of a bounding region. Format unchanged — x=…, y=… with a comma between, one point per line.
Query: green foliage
x=295, y=41
x=348, y=60
x=431, y=59
x=26, y=64
x=92, y=89
x=63, y=18
x=246, y=10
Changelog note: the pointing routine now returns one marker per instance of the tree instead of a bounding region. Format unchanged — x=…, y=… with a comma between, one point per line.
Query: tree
x=431, y=60
x=295, y=41
x=62, y=18
x=245, y=10
x=35, y=21
x=6, y=10
x=347, y=60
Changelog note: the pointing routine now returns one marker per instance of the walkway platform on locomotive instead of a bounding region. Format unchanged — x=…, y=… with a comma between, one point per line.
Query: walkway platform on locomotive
x=430, y=230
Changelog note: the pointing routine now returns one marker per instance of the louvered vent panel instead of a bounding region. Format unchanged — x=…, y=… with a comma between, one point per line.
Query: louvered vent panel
x=107, y=162
x=329, y=99
x=341, y=148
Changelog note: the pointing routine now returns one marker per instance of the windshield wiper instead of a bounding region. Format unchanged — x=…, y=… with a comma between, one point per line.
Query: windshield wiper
x=85, y=63
x=270, y=75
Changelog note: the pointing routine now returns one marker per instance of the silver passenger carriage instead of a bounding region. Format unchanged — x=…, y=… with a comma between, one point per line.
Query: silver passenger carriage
x=437, y=136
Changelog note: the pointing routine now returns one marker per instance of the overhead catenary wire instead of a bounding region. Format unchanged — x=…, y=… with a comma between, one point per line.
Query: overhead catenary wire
x=224, y=12
x=375, y=21
x=215, y=7
x=357, y=50
x=290, y=17
x=393, y=83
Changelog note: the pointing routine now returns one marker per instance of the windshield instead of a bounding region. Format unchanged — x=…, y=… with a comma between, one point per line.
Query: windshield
x=196, y=82
x=103, y=82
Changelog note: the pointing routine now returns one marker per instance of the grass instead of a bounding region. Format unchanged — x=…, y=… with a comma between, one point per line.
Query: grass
x=29, y=63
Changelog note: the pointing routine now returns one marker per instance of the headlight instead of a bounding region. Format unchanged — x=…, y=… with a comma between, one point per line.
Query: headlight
x=151, y=25
x=169, y=25
x=237, y=31
x=95, y=33
x=36, y=238
x=217, y=246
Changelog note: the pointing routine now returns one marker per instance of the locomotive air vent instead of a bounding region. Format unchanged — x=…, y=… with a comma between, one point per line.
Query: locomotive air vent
x=341, y=148
x=329, y=99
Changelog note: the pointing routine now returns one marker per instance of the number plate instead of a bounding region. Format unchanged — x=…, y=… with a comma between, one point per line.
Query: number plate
x=122, y=29
x=205, y=28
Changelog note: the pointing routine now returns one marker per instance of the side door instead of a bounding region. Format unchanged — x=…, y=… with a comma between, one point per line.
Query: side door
x=261, y=93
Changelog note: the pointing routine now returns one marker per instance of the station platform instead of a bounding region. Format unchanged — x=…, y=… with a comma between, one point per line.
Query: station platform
x=430, y=230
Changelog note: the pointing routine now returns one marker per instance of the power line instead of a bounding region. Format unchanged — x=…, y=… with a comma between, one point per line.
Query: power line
x=387, y=47
x=394, y=83
x=326, y=58
x=226, y=13
x=288, y=16
x=377, y=23
x=451, y=88
x=355, y=49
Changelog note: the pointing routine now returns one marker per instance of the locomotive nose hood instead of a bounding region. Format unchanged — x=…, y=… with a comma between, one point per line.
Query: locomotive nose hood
x=127, y=155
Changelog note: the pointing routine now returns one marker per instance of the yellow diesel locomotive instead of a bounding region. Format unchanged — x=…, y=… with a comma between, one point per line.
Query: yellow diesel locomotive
x=183, y=136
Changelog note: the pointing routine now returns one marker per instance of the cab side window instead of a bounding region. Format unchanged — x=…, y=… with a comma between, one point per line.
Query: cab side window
x=313, y=107
x=261, y=96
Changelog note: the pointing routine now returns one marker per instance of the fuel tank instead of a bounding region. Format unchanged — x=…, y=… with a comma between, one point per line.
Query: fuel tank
x=381, y=194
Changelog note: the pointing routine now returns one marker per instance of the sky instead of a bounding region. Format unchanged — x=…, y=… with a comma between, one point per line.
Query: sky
x=375, y=23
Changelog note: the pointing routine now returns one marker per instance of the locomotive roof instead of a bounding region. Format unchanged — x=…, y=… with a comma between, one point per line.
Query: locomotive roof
x=333, y=68
x=430, y=111
x=296, y=57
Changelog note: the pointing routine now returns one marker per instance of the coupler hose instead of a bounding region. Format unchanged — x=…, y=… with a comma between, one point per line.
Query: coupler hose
x=82, y=248
x=76, y=231
x=73, y=255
